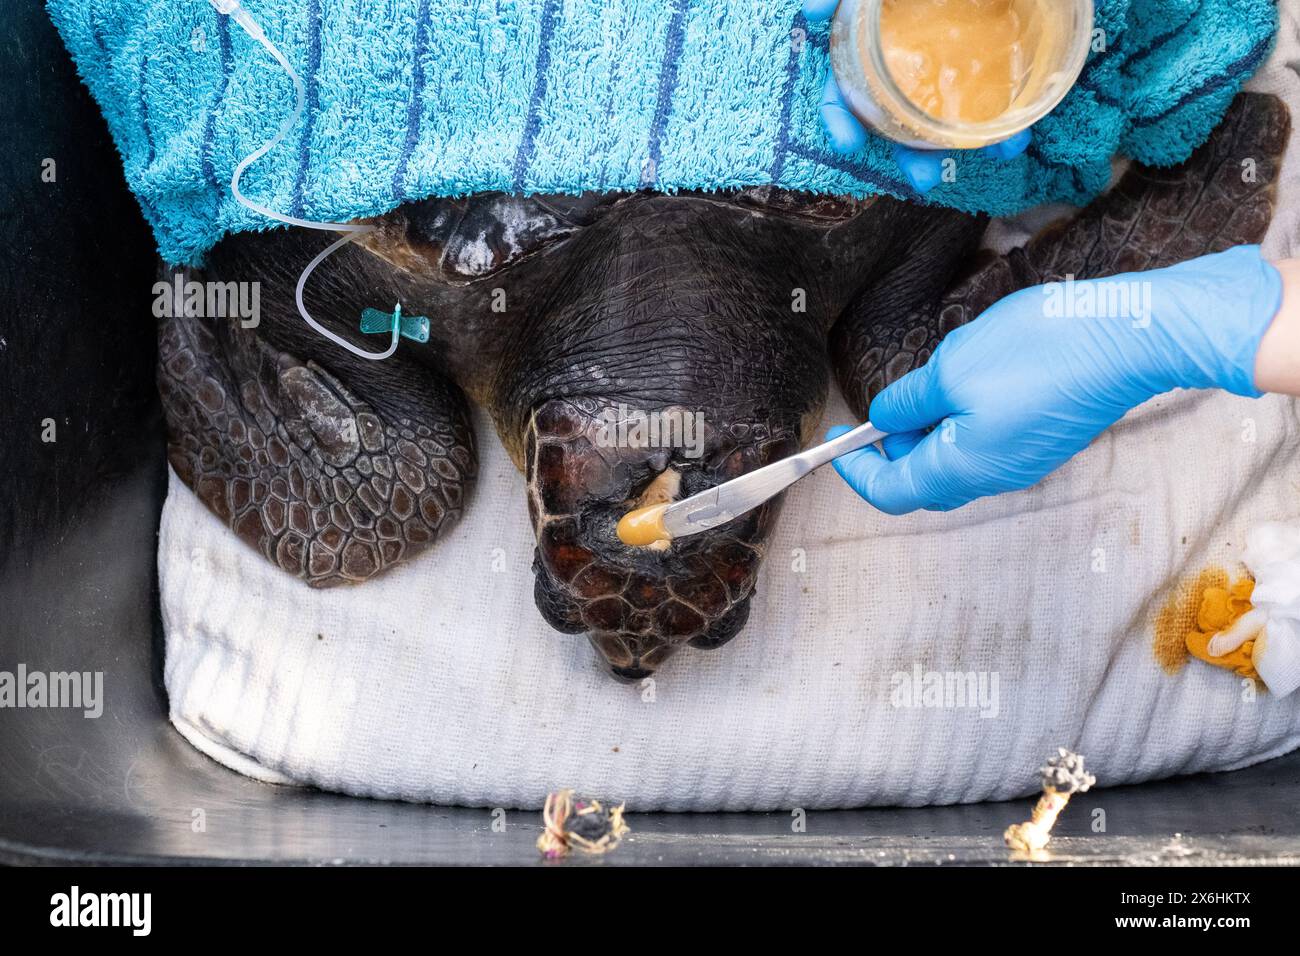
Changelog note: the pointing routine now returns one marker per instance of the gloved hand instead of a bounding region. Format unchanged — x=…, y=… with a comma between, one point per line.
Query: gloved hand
x=923, y=168
x=1023, y=388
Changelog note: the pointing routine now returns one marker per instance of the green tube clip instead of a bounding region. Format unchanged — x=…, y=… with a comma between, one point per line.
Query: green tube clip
x=413, y=327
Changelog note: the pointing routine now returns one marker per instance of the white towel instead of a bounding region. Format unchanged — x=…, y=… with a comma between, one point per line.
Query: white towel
x=440, y=682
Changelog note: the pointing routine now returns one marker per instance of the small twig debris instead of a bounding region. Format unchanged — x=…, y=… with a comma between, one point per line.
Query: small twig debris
x=1063, y=776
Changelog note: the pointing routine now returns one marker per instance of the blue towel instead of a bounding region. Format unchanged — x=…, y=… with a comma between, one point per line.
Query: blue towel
x=413, y=98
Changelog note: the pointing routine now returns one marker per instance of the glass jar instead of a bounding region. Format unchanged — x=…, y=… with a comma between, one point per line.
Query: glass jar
x=1062, y=38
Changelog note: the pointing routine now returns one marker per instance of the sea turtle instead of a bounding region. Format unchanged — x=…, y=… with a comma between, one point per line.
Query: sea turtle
x=557, y=312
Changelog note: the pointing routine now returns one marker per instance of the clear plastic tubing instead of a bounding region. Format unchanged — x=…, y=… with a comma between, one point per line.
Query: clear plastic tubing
x=232, y=9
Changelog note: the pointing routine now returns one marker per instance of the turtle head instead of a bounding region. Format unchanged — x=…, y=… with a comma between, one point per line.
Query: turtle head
x=588, y=463
x=662, y=358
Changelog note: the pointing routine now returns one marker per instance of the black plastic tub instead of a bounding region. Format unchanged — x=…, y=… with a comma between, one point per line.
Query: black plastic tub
x=82, y=478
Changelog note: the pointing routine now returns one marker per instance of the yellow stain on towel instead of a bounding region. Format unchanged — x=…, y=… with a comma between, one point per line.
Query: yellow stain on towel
x=1200, y=608
x=1177, y=618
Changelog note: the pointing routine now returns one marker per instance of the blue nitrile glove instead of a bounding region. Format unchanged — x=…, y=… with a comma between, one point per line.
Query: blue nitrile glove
x=923, y=168
x=1024, y=387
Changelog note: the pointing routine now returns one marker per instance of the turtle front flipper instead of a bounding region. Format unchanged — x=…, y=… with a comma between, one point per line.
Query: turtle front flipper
x=333, y=483
x=1222, y=196
x=892, y=326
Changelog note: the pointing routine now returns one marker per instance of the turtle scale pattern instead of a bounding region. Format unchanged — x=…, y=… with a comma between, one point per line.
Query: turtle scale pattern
x=300, y=467
x=639, y=606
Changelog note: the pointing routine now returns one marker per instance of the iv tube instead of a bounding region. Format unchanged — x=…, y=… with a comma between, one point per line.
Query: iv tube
x=352, y=232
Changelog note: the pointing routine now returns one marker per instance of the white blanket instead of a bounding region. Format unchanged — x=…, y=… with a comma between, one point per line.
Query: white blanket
x=440, y=682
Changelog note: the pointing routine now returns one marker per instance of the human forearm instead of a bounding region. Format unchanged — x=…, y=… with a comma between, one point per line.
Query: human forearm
x=1277, y=364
